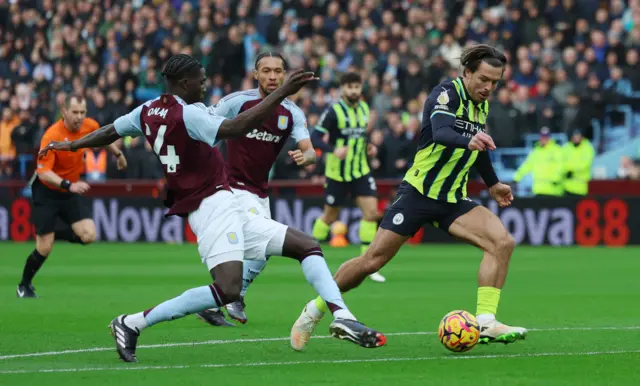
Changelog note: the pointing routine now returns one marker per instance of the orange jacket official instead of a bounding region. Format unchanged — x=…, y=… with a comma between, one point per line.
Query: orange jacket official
x=68, y=165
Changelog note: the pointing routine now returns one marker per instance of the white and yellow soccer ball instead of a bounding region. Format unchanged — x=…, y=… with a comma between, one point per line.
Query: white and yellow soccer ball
x=459, y=331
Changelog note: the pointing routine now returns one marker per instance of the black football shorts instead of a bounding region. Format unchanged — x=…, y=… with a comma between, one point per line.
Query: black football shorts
x=50, y=205
x=338, y=193
x=410, y=210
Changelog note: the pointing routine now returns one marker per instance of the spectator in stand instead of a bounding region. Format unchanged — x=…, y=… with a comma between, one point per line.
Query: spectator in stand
x=8, y=123
x=505, y=121
x=629, y=169
x=112, y=54
x=395, y=148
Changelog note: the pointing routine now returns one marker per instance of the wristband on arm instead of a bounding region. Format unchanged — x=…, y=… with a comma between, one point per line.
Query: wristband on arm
x=65, y=184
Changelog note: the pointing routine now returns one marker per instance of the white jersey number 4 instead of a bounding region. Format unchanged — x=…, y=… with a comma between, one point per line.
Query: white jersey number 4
x=171, y=160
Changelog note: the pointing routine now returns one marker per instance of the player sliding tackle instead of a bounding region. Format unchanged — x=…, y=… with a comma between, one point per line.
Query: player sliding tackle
x=184, y=136
x=434, y=191
x=250, y=159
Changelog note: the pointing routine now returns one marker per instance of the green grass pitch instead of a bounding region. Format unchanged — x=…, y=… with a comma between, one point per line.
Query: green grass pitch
x=581, y=304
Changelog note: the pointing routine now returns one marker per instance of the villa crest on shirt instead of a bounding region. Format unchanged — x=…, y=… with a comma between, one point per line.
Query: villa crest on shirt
x=250, y=158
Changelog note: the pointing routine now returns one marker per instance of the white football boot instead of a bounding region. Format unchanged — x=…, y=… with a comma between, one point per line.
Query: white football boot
x=377, y=277
x=496, y=332
x=303, y=328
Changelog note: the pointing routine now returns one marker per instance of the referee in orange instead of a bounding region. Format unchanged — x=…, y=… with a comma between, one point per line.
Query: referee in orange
x=57, y=190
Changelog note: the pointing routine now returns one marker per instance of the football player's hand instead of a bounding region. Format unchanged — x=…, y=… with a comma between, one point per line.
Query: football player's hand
x=502, y=194
x=79, y=187
x=298, y=157
x=482, y=142
x=55, y=145
x=121, y=162
x=372, y=150
x=297, y=80
x=341, y=152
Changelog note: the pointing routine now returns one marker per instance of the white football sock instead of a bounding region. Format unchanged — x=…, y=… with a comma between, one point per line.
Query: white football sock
x=485, y=319
x=344, y=314
x=318, y=275
x=136, y=321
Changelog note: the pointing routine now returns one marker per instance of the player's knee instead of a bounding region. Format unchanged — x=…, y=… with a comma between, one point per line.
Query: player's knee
x=87, y=236
x=504, y=246
x=44, y=249
x=330, y=216
x=370, y=215
x=44, y=245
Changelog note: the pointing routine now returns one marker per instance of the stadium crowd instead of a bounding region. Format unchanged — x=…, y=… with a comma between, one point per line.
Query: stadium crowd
x=568, y=60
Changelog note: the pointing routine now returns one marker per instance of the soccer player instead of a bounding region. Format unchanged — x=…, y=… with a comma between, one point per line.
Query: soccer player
x=434, y=191
x=250, y=158
x=57, y=191
x=184, y=136
x=347, y=168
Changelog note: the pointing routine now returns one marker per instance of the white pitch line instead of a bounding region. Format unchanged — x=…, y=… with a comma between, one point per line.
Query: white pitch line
x=260, y=340
x=316, y=362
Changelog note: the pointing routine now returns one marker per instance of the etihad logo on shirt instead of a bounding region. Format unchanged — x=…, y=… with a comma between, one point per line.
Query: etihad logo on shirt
x=468, y=129
x=264, y=136
x=354, y=132
x=158, y=111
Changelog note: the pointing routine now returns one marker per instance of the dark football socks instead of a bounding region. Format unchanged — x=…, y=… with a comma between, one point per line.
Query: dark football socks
x=33, y=264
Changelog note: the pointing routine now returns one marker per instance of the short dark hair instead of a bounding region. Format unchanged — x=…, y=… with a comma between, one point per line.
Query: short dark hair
x=272, y=54
x=72, y=96
x=350, y=77
x=474, y=55
x=180, y=66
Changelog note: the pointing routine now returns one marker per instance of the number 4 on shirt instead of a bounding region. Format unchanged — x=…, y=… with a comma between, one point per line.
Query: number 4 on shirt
x=171, y=160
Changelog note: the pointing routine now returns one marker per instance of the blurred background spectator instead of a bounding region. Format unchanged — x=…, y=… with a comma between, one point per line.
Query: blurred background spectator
x=571, y=63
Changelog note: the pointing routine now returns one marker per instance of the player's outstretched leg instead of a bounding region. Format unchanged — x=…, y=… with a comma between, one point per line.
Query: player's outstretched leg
x=299, y=246
x=483, y=229
x=250, y=270
x=226, y=289
x=350, y=275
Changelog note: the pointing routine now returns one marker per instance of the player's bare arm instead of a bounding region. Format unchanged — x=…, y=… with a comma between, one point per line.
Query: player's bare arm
x=305, y=154
x=104, y=136
x=246, y=121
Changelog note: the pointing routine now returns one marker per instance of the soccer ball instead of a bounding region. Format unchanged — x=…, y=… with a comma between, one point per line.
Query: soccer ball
x=459, y=331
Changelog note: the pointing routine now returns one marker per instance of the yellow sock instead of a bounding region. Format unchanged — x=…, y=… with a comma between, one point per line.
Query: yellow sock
x=488, y=299
x=321, y=305
x=367, y=234
x=320, y=229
